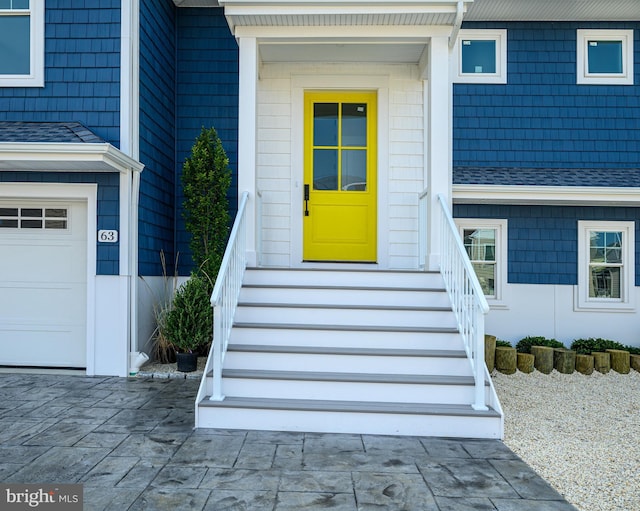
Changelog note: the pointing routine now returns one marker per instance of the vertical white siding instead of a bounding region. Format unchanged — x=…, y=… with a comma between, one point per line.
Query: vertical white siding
x=278, y=175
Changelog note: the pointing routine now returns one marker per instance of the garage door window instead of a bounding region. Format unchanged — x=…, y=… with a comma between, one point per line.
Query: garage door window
x=33, y=218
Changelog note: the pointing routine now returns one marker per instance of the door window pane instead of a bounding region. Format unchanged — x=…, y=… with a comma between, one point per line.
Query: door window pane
x=354, y=170
x=325, y=169
x=15, y=52
x=325, y=124
x=605, y=57
x=478, y=56
x=354, y=125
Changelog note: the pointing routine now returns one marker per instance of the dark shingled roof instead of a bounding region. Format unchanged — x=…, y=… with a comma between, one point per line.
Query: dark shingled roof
x=613, y=178
x=58, y=132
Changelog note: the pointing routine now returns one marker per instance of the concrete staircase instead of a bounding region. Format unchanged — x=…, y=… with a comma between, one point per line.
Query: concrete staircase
x=374, y=352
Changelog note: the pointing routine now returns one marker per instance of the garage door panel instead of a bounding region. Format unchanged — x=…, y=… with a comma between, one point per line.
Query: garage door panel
x=43, y=303
x=50, y=301
x=29, y=341
x=50, y=262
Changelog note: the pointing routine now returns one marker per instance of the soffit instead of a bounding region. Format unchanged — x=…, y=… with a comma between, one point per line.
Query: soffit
x=315, y=13
x=554, y=10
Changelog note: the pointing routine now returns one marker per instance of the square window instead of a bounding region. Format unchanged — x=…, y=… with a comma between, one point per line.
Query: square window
x=21, y=43
x=606, y=267
x=605, y=57
x=485, y=242
x=480, y=56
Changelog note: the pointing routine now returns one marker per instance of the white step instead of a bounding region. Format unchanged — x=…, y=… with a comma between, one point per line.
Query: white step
x=382, y=361
x=412, y=419
x=349, y=386
x=343, y=315
x=347, y=278
x=342, y=336
x=360, y=296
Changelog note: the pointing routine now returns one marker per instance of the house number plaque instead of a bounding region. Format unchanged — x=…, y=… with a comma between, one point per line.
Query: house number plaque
x=107, y=236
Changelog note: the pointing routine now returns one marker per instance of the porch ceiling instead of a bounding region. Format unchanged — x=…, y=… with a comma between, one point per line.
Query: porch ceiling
x=339, y=52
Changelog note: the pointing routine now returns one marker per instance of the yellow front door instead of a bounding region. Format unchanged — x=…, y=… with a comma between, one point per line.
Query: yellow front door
x=340, y=160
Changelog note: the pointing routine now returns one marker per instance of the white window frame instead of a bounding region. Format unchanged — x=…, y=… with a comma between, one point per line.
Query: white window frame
x=582, y=57
x=500, y=227
x=497, y=35
x=626, y=302
x=36, y=76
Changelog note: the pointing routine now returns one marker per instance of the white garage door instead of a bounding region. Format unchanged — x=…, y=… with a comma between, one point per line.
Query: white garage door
x=43, y=274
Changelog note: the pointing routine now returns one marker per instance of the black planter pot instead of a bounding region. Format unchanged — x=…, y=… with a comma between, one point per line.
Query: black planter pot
x=187, y=362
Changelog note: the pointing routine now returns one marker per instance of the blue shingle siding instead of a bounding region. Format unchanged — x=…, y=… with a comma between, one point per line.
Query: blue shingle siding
x=207, y=96
x=82, y=70
x=157, y=134
x=107, y=260
x=541, y=118
x=543, y=240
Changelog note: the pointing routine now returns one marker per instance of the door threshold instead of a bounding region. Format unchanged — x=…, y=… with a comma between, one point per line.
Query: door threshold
x=339, y=265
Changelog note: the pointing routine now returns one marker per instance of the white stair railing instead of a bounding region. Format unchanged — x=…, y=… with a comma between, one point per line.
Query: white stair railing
x=469, y=303
x=224, y=301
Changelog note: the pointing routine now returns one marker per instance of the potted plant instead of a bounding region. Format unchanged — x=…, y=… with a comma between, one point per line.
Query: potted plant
x=189, y=322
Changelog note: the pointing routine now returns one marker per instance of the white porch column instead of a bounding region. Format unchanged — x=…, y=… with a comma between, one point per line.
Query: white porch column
x=438, y=126
x=247, y=134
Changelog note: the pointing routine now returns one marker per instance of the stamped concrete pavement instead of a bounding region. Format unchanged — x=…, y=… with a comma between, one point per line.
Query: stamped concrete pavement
x=131, y=444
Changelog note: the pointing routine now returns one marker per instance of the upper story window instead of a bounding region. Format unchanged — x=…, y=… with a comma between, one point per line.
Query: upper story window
x=605, y=57
x=485, y=242
x=21, y=43
x=480, y=56
x=606, y=265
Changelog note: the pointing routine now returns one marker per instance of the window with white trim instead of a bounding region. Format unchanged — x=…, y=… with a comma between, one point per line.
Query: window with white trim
x=606, y=265
x=485, y=241
x=21, y=43
x=480, y=56
x=605, y=57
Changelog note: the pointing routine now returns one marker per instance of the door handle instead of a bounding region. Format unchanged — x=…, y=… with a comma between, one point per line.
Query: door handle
x=306, y=200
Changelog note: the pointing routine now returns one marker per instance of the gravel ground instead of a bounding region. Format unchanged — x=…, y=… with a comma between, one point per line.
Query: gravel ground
x=581, y=433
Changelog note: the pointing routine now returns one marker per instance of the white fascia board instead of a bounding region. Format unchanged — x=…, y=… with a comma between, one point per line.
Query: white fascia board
x=75, y=157
x=550, y=195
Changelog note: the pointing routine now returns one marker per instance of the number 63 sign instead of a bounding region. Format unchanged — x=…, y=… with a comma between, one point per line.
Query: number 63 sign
x=107, y=236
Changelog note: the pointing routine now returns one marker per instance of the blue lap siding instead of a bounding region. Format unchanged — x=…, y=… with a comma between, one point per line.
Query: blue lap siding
x=156, y=225
x=82, y=83
x=541, y=117
x=82, y=70
x=207, y=95
x=543, y=240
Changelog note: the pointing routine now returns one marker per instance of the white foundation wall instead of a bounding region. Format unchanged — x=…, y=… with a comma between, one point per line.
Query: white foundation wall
x=548, y=310
x=279, y=159
x=153, y=293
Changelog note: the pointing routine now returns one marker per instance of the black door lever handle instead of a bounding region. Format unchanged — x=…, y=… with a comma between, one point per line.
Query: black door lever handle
x=306, y=200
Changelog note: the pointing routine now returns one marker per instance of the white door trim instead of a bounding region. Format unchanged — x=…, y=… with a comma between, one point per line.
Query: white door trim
x=87, y=193
x=300, y=83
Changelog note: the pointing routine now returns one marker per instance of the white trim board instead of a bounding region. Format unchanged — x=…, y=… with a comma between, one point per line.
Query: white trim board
x=551, y=195
x=300, y=83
